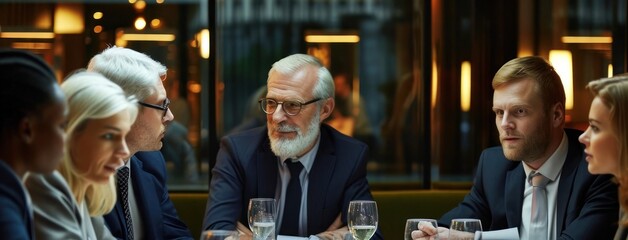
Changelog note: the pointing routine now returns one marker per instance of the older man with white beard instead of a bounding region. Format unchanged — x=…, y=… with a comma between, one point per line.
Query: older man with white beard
x=312, y=170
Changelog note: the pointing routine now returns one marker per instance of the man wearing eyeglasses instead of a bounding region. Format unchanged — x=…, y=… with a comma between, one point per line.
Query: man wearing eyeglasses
x=309, y=168
x=144, y=209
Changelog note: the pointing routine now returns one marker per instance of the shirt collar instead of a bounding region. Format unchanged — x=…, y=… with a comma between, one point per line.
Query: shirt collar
x=552, y=167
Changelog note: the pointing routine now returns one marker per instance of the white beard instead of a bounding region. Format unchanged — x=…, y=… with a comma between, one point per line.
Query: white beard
x=288, y=148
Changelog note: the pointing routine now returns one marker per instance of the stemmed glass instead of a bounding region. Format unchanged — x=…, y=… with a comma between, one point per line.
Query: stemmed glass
x=362, y=219
x=412, y=224
x=262, y=215
x=464, y=228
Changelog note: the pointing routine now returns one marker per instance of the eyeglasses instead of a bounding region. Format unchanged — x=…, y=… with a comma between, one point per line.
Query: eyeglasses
x=269, y=105
x=163, y=107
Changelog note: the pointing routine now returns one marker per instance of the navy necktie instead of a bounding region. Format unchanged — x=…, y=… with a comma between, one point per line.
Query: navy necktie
x=123, y=192
x=292, y=204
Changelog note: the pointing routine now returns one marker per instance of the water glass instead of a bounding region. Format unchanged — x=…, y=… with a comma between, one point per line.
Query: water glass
x=220, y=235
x=262, y=216
x=464, y=228
x=412, y=224
x=362, y=219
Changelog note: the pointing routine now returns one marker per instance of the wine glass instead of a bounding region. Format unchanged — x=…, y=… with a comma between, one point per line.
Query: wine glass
x=220, y=235
x=262, y=215
x=412, y=224
x=464, y=228
x=362, y=219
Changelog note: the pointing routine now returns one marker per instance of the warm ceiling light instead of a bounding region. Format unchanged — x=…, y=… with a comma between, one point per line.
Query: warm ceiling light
x=98, y=15
x=34, y=35
x=98, y=29
x=140, y=5
x=140, y=23
x=148, y=37
x=159, y=1
x=332, y=38
x=132, y=1
x=586, y=39
x=31, y=45
x=155, y=23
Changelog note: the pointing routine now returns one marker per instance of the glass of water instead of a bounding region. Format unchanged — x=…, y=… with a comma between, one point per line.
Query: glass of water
x=262, y=215
x=362, y=219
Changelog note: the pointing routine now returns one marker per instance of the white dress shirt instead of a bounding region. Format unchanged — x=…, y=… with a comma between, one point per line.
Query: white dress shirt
x=282, y=184
x=550, y=169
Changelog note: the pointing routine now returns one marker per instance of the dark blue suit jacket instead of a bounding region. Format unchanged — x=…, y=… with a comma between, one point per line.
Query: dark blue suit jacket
x=587, y=206
x=148, y=173
x=15, y=217
x=247, y=168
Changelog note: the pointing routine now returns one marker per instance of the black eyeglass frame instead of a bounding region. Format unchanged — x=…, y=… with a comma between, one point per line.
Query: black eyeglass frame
x=300, y=104
x=163, y=107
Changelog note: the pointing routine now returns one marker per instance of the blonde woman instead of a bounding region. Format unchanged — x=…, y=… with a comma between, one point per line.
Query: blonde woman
x=70, y=202
x=606, y=138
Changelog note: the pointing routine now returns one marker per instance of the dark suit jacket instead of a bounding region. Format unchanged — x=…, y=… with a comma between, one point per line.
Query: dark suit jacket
x=148, y=173
x=587, y=204
x=247, y=168
x=15, y=215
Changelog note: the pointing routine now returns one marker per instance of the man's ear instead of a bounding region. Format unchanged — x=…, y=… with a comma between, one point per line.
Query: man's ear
x=25, y=129
x=327, y=109
x=558, y=114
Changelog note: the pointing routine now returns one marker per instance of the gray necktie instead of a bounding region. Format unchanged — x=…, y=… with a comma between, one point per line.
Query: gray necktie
x=538, y=218
x=123, y=191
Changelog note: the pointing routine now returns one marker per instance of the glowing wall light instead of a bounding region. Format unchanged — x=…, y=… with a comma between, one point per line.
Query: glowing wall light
x=586, y=39
x=434, y=83
x=610, y=70
x=203, y=39
x=148, y=37
x=561, y=60
x=332, y=38
x=69, y=18
x=31, y=35
x=465, y=86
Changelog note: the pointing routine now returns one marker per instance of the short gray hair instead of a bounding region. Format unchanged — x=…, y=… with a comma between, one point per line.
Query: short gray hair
x=324, y=87
x=135, y=72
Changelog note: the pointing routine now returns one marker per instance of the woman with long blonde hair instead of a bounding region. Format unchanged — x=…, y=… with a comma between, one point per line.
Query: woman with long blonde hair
x=69, y=203
x=606, y=138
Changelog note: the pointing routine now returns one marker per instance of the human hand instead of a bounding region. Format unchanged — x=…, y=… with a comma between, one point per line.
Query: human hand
x=427, y=231
x=245, y=232
x=338, y=234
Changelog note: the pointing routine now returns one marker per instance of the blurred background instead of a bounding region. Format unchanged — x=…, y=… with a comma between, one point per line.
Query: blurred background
x=412, y=76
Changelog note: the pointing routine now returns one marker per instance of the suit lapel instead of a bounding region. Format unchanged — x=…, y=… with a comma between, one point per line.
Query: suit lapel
x=266, y=163
x=145, y=191
x=321, y=174
x=513, y=196
x=567, y=176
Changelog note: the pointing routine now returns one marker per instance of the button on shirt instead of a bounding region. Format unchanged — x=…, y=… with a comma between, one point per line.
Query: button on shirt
x=284, y=177
x=550, y=169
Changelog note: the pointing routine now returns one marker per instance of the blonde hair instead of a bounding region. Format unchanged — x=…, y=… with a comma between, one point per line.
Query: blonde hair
x=91, y=96
x=549, y=87
x=614, y=94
